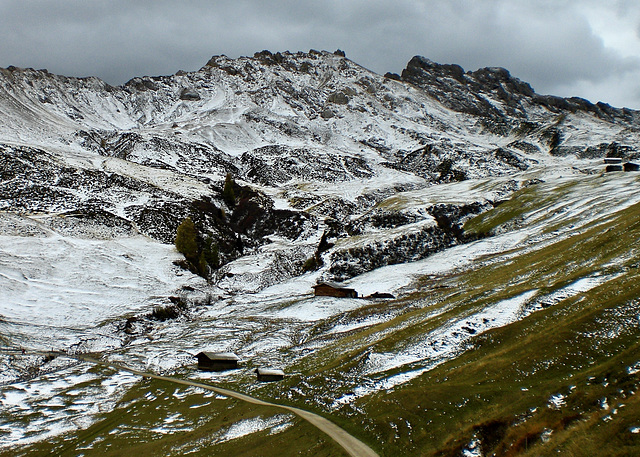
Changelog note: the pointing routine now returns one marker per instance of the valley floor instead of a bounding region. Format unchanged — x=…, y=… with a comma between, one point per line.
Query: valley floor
x=524, y=341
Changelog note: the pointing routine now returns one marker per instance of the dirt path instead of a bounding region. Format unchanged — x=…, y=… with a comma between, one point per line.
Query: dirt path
x=349, y=443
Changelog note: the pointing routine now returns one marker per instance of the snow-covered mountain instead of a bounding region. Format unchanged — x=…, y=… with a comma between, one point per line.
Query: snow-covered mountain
x=339, y=174
x=312, y=133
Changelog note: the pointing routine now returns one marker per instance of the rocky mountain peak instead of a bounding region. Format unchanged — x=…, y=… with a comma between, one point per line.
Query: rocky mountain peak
x=494, y=93
x=488, y=92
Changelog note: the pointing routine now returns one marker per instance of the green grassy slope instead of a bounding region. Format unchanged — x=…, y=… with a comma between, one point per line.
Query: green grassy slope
x=538, y=386
x=561, y=380
x=157, y=418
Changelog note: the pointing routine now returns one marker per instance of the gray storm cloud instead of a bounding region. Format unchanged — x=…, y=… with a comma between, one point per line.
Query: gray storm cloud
x=551, y=45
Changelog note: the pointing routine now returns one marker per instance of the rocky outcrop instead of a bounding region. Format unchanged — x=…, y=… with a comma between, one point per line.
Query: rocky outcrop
x=189, y=94
x=409, y=236
x=494, y=93
x=274, y=165
x=408, y=247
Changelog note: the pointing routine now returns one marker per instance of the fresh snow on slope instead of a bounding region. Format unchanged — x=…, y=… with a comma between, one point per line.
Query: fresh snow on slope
x=54, y=284
x=65, y=286
x=276, y=424
x=59, y=402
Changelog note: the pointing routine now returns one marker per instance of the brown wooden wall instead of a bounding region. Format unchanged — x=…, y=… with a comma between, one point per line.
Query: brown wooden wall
x=328, y=291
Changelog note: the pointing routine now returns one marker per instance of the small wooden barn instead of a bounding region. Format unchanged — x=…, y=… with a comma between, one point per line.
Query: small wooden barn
x=610, y=168
x=630, y=166
x=269, y=375
x=380, y=295
x=613, y=160
x=326, y=289
x=217, y=361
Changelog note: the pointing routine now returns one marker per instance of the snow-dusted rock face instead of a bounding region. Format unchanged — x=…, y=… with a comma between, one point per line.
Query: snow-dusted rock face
x=494, y=93
x=307, y=136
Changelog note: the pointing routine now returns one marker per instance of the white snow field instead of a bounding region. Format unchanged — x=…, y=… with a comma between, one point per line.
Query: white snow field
x=55, y=285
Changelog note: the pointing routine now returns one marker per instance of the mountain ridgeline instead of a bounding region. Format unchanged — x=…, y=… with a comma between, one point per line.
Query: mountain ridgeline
x=316, y=145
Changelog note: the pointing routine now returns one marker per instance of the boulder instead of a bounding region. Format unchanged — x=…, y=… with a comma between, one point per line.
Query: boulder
x=189, y=94
x=327, y=114
x=339, y=98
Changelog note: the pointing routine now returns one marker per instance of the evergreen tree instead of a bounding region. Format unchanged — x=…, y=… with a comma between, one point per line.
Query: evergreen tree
x=186, y=239
x=211, y=253
x=228, y=193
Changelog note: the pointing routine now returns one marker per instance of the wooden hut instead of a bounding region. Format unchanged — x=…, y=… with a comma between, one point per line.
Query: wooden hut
x=326, y=289
x=610, y=168
x=269, y=375
x=217, y=361
x=380, y=295
x=630, y=166
x=613, y=160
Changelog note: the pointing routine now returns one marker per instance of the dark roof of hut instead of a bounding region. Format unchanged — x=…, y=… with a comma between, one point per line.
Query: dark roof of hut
x=332, y=285
x=219, y=355
x=269, y=372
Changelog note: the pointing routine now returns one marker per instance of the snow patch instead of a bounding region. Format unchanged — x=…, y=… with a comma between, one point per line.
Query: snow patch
x=557, y=401
x=474, y=448
x=449, y=339
x=277, y=424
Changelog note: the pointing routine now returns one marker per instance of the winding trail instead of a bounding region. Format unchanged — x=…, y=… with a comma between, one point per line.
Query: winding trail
x=353, y=446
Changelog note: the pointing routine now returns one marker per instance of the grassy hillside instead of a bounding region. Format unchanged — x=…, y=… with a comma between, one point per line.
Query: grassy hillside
x=559, y=380
x=532, y=349
x=158, y=418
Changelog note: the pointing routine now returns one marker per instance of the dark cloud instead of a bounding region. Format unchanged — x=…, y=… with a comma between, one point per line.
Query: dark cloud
x=550, y=44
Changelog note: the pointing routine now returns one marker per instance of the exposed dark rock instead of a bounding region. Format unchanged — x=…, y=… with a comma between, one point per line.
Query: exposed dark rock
x=394, y=76
x=448, y=85
x=339, y=98
x=336, y=208
x=272, y=165
x=510, y=158
x=409, y=246
x=255, y=218
x=612, y=150
x=468, y=92
x=189, y=94
x=141, y=84
x=451, y=218
x=525, y=147
x=327, y=113
x=382, y=220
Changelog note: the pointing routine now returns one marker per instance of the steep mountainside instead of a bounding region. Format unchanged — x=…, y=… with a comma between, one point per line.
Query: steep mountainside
x=313, y=131
x=480, y=206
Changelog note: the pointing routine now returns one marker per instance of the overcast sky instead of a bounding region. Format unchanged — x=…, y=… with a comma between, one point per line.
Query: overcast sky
x=586, y=48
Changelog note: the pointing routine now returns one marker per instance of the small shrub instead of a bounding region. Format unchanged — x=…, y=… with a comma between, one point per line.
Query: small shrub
x=211, y=253
x=203, y=267
x=311, y=264
x=163, y=313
